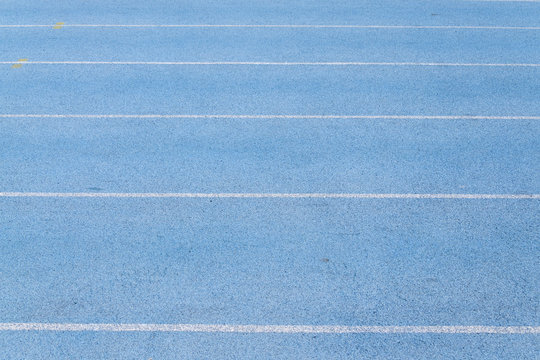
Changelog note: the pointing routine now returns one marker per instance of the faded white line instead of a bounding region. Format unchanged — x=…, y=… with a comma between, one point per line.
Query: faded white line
x=266, y=195
x=293, y=26
x=275, y=116
x=271, y=63
x=284, y=329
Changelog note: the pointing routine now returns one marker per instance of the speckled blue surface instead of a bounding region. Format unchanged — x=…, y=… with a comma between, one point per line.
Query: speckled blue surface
x=270, y=261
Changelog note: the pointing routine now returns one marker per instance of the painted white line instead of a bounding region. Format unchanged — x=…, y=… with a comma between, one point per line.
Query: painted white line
x=266, y=195
x=270, y=63
x=283, y=329
x=277, y=116
x=293, y=26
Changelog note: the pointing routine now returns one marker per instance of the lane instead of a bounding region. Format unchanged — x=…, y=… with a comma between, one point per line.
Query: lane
x=195, y=261
x=270, y=44
x=270, y=156
x=237, y=261
x=226, y=346
x=386, y=12
x=254, y=90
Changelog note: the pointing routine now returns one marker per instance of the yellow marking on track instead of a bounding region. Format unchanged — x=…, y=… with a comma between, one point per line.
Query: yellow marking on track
x=58, y=25
x=19, y=63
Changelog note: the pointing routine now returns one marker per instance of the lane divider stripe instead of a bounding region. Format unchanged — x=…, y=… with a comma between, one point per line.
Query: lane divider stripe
x=270, y=63
x=301, y=26
x=284, y=329
x=266, y=195
x=277, y=116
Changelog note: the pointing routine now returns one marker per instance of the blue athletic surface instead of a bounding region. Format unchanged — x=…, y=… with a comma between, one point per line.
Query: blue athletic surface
x=303, y=261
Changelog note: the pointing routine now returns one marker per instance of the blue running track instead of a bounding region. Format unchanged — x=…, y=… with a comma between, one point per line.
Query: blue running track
x=269, y=179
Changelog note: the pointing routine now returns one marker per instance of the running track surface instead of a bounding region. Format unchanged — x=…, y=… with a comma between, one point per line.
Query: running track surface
x=399, y=141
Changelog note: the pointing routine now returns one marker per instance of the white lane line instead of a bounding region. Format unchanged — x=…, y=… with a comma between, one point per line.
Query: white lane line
x=284, y=329
x=293, y=26
x=271, y=63
x=266, y=195
x=277, y=116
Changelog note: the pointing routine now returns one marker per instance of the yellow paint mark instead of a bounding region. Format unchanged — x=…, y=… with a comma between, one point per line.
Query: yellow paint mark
x=58, y=25
x=19, y=63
